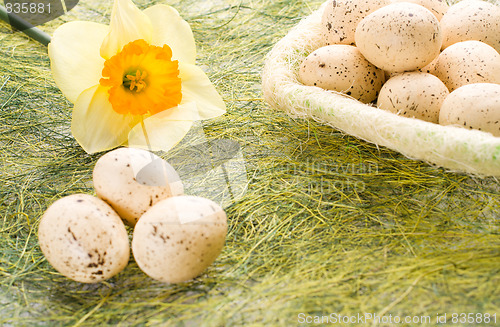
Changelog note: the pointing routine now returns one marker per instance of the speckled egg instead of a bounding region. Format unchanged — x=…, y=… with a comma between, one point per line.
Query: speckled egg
x=468, y=62
x=399, y=37
x=415, y=94
x=340, y=18
x=133, y=180
x=472, y=20
x=473, y=106
x=437, y=7
x=178, y=238
x=84, y=239
x=342, y=68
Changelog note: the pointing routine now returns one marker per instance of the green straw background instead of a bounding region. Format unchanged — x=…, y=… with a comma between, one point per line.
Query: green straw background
x=328, y=223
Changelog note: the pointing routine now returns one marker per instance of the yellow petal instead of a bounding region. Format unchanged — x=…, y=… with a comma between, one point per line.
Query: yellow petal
x=127, y=24
x=74, y=56
x=169, y=28
x=196, y=87
x=164, y=130
x=95, y=125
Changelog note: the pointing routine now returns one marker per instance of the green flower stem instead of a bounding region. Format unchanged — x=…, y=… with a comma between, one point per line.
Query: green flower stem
x=22, y=25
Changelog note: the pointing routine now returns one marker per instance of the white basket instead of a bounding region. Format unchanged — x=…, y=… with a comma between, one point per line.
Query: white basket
x=454, y=148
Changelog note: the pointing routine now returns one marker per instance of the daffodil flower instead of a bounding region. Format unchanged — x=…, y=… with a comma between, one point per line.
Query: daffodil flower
x=133, y=82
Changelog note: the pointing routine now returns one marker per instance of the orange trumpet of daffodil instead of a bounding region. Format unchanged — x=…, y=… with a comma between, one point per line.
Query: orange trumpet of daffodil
x=133, y=82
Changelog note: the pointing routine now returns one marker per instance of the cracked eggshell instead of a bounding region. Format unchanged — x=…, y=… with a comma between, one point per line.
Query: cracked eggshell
x=342, y=68
x=340, y=18
x=133, y=180
x=415, y=94
x=468, y=62
x=437, y=7
x=399, y=37
x=84, y=239
x=472, y=20
x=178, y=238
x=473, y=106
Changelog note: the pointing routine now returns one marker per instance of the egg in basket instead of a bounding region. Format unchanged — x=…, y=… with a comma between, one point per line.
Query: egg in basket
x=420, y=78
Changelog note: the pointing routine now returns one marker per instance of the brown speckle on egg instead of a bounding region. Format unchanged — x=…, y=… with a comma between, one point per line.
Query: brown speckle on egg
x=133, y=180
x=176, y=230
x=340, y=18
x=414, y=94
x=76, y=240
x=467, y=62
x=399, y=37
x=345, y=70
x=472, y=20
x=462, y=103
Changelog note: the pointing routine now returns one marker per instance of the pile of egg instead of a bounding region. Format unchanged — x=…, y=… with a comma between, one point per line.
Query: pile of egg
x=175, y=236
x=416, y=58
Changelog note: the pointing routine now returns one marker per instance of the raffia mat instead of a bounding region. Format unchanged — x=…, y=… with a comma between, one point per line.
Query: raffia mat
x=319, y=222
